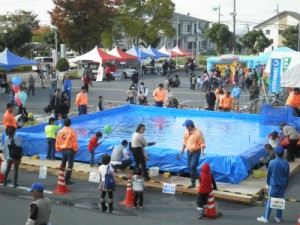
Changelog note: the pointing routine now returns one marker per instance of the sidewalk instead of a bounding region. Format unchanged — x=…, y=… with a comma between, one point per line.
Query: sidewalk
x=247, y=191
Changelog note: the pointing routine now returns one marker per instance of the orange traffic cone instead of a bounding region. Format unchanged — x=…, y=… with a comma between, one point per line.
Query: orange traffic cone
x=1, y=175
x=61, y=184
x=129, y=199
x=211, y=211
x=299, y=219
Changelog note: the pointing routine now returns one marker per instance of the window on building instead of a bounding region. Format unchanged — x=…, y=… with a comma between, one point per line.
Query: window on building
x=186, y=28
x=195, y=28
x=191, y=45
x=268, y=32
x=175, y=43
x=203, y=44
x=179, y=29
x=280, y=32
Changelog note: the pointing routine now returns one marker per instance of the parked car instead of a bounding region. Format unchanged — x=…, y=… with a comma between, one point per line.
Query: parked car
x=45, y=60
x=123, y=71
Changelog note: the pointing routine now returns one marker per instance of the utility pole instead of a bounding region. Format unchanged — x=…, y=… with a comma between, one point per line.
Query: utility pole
x=277, y=9
x=219, y=9
x=177, y=36
x=299, y=36
x=197, y=44
x=219, y=13
x=177, y=31
x=234, y=21
x=247, y=27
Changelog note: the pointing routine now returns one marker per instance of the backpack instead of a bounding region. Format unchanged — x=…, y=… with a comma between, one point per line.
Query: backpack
x=109, y=180
x=15, y=151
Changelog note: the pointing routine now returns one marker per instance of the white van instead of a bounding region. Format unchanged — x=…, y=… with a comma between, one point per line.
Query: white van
x=42, y=60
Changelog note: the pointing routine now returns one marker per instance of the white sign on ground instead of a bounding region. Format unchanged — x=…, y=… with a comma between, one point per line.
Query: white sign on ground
x=169, y=188
x=277, y=203
x=94, y=177
x=43, y=172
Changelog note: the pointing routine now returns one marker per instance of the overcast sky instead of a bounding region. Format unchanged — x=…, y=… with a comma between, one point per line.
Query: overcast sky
x=249, y=12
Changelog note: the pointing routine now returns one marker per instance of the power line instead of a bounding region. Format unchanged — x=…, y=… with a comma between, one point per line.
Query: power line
x=15, y=2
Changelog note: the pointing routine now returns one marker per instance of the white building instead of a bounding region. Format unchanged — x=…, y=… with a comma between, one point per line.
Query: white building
x=190, y=29
x=274, y=26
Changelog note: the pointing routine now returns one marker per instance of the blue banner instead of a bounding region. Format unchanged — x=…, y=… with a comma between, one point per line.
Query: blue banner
x=275, y=76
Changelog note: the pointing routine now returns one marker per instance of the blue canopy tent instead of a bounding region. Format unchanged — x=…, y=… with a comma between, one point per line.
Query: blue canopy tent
x=156, y=54
x=136, y=51
x=8, y=60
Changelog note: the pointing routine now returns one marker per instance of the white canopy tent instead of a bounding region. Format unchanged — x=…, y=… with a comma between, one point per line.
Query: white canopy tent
x=96, y=55
x=283, y=69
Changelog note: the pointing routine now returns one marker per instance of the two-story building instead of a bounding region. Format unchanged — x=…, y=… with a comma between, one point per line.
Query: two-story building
x=274, y=27
x=190, y=30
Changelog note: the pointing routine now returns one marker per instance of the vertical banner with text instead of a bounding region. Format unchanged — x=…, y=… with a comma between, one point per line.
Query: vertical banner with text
x=54, y=56
x=285, y=63
x=275, y=76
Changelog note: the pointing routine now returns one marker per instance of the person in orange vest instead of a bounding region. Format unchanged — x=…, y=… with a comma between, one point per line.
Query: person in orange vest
x=9, y=117
x=159, y=95
x=226, y=102
x=194, y=142
x=107, y=72
x=220, y=92
x=207, y=184
x=82, y=101
x=294, y=101
x=67, y=144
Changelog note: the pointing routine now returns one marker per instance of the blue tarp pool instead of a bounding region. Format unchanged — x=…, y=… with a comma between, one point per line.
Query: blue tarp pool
x=234, y=142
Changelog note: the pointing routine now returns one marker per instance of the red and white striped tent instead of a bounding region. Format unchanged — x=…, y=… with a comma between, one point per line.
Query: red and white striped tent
x=171, y=52
x=181, y=52
x=120, y=55
x=96, y=55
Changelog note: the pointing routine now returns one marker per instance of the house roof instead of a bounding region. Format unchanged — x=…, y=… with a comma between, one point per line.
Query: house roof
x=293, y=14
x=187, y=18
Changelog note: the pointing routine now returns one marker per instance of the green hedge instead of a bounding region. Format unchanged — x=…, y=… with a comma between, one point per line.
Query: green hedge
x=19, y=69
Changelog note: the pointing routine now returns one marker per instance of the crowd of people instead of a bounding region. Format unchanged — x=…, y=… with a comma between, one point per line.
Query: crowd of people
x=65, y=140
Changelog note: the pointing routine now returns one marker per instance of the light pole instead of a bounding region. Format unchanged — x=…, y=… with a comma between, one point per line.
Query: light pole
x=234, y=23
x=55, y=41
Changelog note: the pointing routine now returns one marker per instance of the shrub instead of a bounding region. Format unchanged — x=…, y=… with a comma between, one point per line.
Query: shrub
x=62, y=65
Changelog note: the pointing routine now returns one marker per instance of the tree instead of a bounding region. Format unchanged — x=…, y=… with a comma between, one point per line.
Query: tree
x=46, y=35
x=14, y=38
x=21, y=17
x=82, y=22
x=142, y=20
x=41, y=34
x=291, y=37
x=18, y=26
x=255, y=41
x=219, y=34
